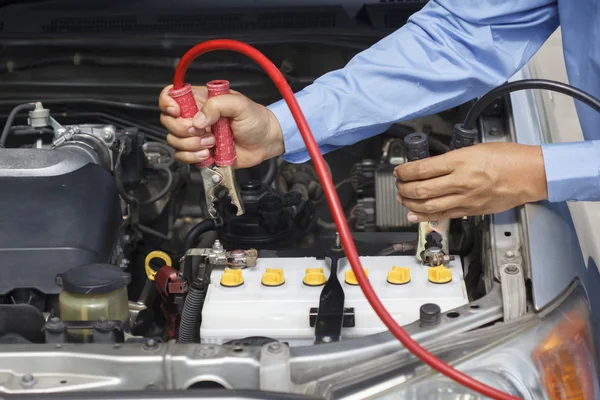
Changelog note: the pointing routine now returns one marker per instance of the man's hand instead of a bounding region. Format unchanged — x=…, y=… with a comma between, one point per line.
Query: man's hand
x=477, y=180
x=256, y=131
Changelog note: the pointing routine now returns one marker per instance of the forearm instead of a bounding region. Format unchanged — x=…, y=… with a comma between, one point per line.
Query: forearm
x=437, y=61
x=572, y=171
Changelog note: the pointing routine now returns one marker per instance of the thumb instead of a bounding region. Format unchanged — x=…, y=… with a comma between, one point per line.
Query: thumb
x=227, y=105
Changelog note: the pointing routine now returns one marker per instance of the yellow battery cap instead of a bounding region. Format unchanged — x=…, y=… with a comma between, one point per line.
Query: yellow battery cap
x=273, y=277
x=314, y=277
x=439, y=274
x=232, y=278
x=350, y=278
x=398, y=275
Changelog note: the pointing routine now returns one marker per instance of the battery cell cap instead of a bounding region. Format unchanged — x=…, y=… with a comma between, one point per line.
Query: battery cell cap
x=398, y=275
x=232, y=278
x=350, y=278
x=314, y=277
x=273, y=277
x=439, y=274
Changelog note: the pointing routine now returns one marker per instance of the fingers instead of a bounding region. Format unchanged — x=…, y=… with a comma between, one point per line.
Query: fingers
x=170, y=112
x=193, y=144
x=191, y=157
x=438, y=205
x=425, y=169
x=227, y=105
x=450, y=214
x=430, y=188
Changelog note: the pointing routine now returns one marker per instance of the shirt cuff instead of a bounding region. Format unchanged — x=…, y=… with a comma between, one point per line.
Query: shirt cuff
x=572, y=171
x=295, y=149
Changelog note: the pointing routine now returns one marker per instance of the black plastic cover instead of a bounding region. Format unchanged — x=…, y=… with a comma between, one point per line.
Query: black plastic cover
x=417, y=146
x=50, y=224
x=93, y=279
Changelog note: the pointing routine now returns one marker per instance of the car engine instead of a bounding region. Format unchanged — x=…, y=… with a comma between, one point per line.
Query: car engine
x=106, y=239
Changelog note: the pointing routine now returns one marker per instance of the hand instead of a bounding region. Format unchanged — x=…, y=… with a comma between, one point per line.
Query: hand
x=257, y=133
x=477, y=180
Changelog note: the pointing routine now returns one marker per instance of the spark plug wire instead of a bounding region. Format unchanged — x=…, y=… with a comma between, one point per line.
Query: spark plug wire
x=335, y=206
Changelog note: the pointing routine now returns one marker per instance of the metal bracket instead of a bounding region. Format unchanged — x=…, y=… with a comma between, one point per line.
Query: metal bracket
x=504, y=238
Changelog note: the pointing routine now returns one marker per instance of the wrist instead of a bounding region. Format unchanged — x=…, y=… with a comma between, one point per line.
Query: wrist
x=274, y=144
x=537, y=187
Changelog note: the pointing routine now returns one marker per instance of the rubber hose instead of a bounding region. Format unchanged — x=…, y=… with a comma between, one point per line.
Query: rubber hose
x=271, y=172
x=198, y=230
x=11, y=119
x=189, y=328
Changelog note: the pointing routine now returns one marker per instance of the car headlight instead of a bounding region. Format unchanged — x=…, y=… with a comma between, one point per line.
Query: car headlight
x=550, y=355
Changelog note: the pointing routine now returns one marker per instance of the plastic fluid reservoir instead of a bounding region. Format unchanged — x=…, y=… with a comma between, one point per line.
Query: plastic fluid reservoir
x=94, y=291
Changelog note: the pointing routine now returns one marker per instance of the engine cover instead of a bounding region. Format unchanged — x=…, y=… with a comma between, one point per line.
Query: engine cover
x=58, y=210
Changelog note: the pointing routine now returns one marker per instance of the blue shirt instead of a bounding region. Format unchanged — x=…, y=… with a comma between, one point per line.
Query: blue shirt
x=447, y=54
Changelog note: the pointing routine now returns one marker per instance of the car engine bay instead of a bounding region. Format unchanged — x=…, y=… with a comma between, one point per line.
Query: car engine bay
x=120, y=274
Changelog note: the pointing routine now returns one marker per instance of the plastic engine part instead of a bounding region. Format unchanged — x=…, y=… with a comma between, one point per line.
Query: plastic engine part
x=283, y=312
x=417, y=146
x=224, y=147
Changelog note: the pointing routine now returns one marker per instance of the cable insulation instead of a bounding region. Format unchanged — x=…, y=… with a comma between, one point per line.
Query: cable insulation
x=559, y=87
x=335, y=206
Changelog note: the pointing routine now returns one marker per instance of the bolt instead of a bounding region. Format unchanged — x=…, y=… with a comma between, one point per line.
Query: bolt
x=27, y=380
x=108, y=133
x=207, y=352
x=217, y=246
x=216, y=178
x=150, y=344
x=509, y=254
x=275, y=348
x=511, y=269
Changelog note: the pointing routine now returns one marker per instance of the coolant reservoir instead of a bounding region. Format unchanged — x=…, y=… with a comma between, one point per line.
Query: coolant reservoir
x=94, y=291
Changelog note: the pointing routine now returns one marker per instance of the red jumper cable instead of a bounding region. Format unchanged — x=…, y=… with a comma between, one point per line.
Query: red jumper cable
x=182, y=93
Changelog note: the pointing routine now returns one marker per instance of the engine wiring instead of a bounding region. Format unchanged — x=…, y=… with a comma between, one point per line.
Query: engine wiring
x=335, y=206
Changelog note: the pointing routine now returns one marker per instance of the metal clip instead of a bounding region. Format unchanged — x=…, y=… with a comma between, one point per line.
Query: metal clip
x=216, y=179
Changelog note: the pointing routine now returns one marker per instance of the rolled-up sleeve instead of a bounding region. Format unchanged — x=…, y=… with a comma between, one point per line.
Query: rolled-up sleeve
x=572, y=171
x=448, y=53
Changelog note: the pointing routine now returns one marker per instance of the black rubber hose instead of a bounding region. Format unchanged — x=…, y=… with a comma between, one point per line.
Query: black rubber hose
x=271, y=172
x=11, y=119
x=559, y=87
x=189, y=328
x=193, y=236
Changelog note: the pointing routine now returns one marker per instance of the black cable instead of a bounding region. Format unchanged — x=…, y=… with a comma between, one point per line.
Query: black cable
x=96, y=102
x=11, y=119
x=489, y=97
x=193, y=236
x=164, y=168
x=271, y=173
x=189, y=327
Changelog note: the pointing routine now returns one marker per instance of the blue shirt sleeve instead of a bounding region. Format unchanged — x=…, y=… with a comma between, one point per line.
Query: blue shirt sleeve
x=448, y=53
x=572, y=171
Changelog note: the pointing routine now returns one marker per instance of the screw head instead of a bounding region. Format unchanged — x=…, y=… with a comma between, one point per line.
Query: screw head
x=27, y=380
x=150, y=344
x=509, y=254
x=275, y=348
x=108, y=133
x=511, y=269
x=216, y=178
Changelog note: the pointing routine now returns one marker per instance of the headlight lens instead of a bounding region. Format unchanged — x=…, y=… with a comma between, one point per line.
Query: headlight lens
x=551, y=356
